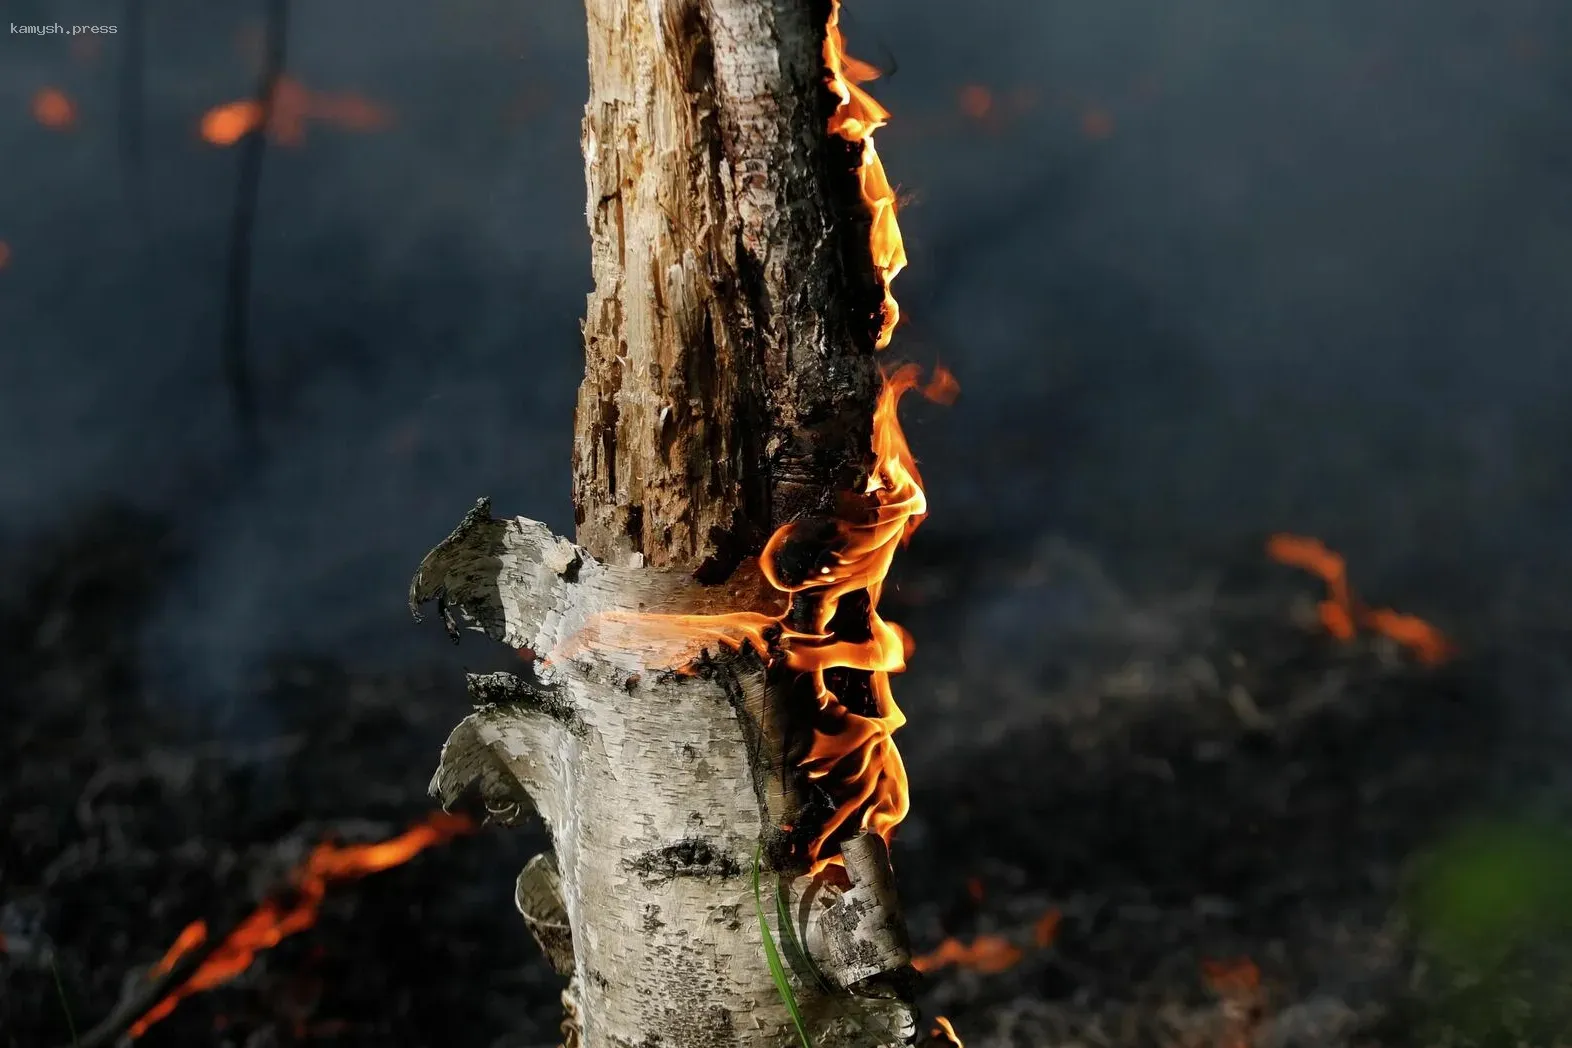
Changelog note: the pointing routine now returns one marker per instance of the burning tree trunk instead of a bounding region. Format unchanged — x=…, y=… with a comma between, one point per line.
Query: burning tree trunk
x=701, y=707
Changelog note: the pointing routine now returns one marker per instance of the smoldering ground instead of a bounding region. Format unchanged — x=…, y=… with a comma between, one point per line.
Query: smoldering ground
x=1204, y=272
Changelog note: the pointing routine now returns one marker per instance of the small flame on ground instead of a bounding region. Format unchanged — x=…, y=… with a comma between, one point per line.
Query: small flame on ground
x=942, y=1028
x=855, y=119
x=1343, y=614
x=277, y=919
x=53, y=108
x=293, y=106
x=988, y=954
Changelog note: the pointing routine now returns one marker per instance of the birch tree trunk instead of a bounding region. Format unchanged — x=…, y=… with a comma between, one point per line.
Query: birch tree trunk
x=729, y=389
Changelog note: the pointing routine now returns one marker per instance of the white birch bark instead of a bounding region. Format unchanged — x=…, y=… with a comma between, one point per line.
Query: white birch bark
x=658, y=772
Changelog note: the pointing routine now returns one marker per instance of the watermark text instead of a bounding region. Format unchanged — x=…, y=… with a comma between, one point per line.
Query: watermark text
x=58, y=29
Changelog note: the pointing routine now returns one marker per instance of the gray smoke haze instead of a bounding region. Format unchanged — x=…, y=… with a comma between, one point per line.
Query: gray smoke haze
x=1204, y=270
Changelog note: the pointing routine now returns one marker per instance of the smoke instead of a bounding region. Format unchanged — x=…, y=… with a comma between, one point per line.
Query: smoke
x=1313, y=274
x=1204, y=271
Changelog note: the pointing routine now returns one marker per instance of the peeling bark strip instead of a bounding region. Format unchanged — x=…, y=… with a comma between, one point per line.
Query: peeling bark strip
x=729, y=379
x=656, y=781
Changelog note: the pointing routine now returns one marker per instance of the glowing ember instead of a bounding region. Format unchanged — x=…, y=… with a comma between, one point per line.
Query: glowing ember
x=856, y=119
x=5, y=254
x=1343, y=614
x=277, y=919
x=988, y=954
x=52, y=107
x=942, y=1028
x=293, y=105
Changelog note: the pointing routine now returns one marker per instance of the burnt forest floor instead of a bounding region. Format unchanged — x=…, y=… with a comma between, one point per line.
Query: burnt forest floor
x=1252, y=835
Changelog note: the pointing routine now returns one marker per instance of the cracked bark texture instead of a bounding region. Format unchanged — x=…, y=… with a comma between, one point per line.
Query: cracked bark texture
x=729, y=380
x=658, y=769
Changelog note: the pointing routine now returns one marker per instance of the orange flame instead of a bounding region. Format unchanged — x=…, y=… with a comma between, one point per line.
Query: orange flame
x=293, y=105
x=277, y=919
x=856, y=745
x=988, y=954
x=1343, y=614
x=942, y=1028
x=53, y=108
x=227, y=124
x=855, y=119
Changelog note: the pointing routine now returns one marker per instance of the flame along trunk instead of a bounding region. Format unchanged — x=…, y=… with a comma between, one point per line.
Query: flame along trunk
x=853, y=752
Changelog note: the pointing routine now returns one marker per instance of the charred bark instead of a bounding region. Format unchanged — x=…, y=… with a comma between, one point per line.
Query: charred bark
x=729, y=389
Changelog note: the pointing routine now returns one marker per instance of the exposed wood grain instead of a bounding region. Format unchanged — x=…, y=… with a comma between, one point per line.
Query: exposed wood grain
x=729, y=383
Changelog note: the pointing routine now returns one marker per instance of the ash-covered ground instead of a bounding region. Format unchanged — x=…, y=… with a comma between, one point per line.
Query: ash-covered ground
x=1252, y=834
x=1205, y=272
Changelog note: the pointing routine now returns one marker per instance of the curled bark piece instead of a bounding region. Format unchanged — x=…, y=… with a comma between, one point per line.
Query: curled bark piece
x=858, y=932
x=538, y=896
x=499, y=753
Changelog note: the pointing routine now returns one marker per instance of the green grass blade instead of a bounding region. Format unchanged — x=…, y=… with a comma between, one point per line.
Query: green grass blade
x=64, y=1003
x=771, y=954
x=801, y=961
x=796, y=953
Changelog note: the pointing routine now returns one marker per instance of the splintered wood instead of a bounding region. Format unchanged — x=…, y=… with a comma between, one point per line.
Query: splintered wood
x=729, y=380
